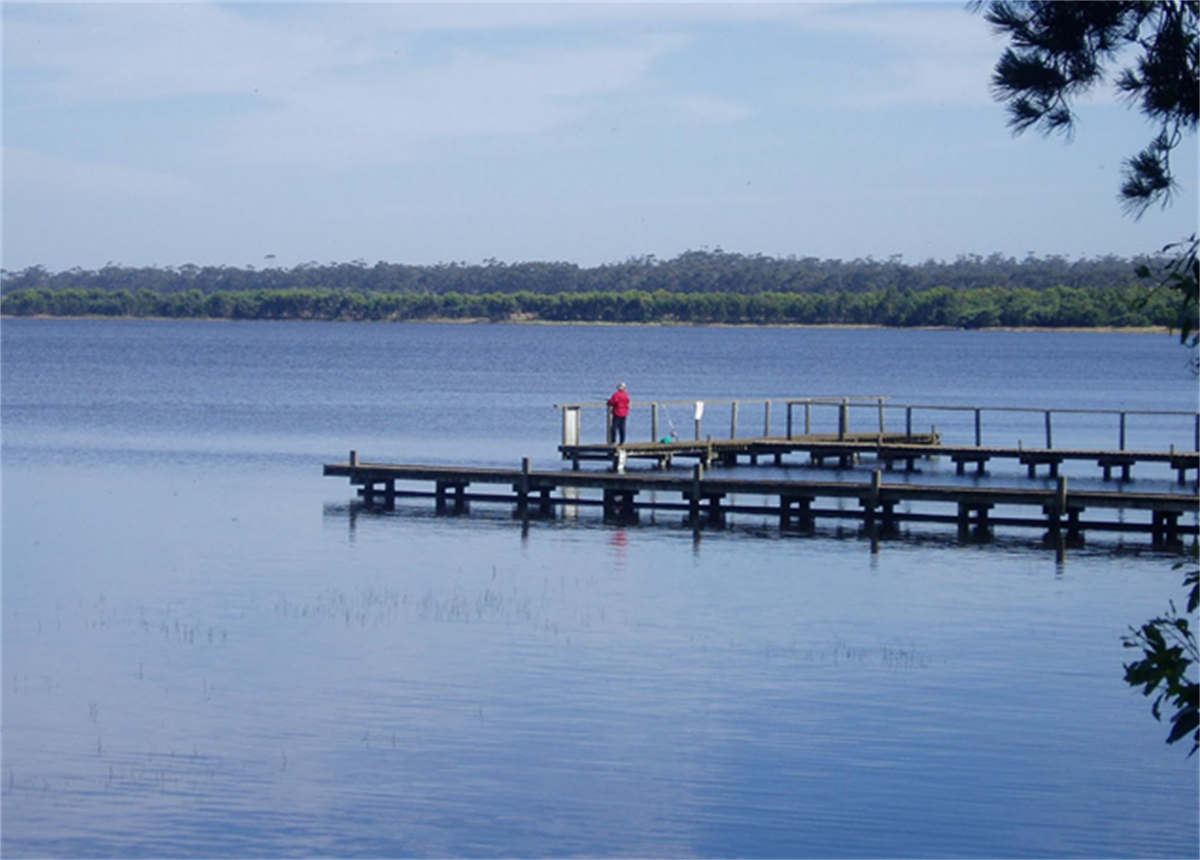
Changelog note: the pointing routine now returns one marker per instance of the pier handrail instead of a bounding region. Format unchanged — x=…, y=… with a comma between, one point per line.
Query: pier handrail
x=572, y=415
x=572, y=412
x=832, y=399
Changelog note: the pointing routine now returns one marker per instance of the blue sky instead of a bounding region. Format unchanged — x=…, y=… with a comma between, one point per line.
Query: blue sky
x=274, y=134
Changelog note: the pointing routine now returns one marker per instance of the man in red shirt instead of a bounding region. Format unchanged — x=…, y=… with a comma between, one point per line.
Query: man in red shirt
x=618, y=406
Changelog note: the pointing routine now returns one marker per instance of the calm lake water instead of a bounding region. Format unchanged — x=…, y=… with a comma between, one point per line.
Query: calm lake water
x=209, y=651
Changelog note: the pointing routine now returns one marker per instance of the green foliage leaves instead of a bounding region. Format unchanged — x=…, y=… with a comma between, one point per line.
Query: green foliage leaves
x=1180, y=273
x=1059, y=307
x=1169, y=650
x=1061, y=50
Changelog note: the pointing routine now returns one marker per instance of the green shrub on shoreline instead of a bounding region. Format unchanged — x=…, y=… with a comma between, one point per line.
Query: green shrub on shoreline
x=989, y=307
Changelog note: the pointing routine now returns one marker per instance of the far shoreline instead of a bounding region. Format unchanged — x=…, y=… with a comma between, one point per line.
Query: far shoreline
x=1159, y=330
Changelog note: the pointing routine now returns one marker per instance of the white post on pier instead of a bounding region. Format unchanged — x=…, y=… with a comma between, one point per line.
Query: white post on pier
x=571, y=424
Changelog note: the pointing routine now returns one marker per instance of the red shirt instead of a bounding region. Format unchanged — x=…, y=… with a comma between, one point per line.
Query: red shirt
x=619, y=403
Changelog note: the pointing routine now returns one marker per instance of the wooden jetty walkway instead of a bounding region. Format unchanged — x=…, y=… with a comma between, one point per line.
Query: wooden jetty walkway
x=963, y=444
x=704, y=500
x=887, y=449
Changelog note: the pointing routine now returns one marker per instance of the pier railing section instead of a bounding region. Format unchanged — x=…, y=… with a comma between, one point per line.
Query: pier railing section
x=980, y=426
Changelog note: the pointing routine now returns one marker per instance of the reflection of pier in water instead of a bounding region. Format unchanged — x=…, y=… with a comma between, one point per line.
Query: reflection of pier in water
x=879, y=507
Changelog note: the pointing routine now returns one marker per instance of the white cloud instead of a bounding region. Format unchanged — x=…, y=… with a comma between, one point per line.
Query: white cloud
x=468, y=93
x=257, y=117
x=34, y=174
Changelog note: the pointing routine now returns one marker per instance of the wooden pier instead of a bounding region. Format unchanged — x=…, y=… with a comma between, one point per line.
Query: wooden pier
x=845, y=451
x=886, y=449
x=881, y=507
x=803, y=434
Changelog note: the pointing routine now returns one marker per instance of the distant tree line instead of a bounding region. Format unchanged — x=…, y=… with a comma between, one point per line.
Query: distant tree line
x=987, y=307
x=696, y=287
x=690, y=272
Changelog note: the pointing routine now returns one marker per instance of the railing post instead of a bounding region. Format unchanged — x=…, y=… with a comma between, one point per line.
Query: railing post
x=733, y=410
x=654, y=422
x=1049, y=438
x=807, y=417
x=907, y=423
x=789, y=419
x=767, y=419
x=1122, y=431
x=353, y=458
x=882, y=427
x=843, y=419
x=978, y=428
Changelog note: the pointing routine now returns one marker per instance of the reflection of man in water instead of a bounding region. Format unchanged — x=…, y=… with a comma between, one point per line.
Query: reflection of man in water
x=618, y=405
x=619, y=544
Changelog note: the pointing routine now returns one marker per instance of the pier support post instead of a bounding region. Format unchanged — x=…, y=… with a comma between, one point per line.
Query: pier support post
x=870, y=502
x=785, y=511
x=619, y=505
x=888, y=517
x=523, y=488
x=1057, y=509
x=1165, y=528
x=443, y=492
x=974, y=521
x=695, y=496
x=716, y=516
x=805, y=521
